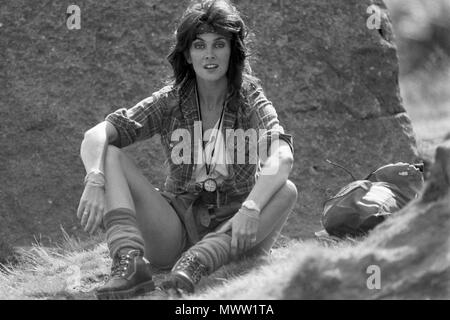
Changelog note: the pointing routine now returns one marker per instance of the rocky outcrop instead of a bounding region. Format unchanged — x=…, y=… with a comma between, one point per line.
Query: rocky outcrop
x=333, y=81
x=409, y=252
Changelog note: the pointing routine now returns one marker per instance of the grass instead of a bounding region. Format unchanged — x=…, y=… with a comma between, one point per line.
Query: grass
x=68, y=271
x=74, y=270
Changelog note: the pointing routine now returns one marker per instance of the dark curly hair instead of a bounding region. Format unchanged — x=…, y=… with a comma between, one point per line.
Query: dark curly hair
x=221, y=15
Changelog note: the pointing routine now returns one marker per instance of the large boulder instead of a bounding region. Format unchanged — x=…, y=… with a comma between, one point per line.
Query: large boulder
x=333, y=81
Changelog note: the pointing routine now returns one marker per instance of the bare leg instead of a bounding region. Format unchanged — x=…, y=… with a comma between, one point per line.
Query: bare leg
x=273, y=218
x=128, y=188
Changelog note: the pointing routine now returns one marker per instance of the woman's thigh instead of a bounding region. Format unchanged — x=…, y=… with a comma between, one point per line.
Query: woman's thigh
x=158, y=222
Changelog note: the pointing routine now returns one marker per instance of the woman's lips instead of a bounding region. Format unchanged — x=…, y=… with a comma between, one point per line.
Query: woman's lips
x=210, y=66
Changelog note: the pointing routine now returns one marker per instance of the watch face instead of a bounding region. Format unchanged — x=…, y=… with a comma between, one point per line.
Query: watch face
x=210, y=185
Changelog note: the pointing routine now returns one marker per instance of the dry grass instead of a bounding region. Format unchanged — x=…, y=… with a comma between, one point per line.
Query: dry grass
x=66, y=272
x=73, y=272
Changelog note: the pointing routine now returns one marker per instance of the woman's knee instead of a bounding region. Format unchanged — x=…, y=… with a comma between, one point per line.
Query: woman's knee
x=283, y=201
x=288, y=192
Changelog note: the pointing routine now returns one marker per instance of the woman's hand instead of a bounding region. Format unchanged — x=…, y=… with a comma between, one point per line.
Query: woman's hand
x=91, y=207
x=244, y=226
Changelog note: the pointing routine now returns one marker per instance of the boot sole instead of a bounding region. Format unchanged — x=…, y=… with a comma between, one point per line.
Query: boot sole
x=178, y=285
x=123, y=294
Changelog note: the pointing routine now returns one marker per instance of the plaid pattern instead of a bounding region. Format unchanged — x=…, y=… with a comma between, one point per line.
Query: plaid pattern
x=173, y=108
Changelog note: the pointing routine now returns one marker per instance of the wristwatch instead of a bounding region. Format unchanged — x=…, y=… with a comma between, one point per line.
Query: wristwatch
x=251, y=205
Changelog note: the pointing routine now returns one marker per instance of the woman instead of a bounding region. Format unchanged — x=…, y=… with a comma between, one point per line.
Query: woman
x=218, y=203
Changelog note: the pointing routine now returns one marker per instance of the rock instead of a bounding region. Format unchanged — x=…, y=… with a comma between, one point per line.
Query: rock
x=57, y=83
x=333, y=81
x=410, y=252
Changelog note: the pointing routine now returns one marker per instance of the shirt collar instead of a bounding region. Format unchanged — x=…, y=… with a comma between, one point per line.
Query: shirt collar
x=188, y=102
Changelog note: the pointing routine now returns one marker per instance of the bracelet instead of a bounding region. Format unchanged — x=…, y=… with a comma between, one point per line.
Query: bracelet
x=95, y=177
x=95, y=184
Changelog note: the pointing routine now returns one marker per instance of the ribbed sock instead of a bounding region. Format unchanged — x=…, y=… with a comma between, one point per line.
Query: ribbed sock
x=122, y=231
x=213, y=250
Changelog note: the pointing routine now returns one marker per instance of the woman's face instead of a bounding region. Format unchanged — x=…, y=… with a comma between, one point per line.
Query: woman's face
x=209, y=55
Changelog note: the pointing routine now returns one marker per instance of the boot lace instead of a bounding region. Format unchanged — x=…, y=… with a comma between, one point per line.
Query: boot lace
x=119, y=268
x=192, y=267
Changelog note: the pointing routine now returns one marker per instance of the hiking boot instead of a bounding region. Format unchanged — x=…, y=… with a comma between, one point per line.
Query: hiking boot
x=185, y=274
x=130, y=276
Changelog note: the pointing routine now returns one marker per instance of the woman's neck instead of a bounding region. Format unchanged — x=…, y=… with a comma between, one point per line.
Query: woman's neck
x=212, y=94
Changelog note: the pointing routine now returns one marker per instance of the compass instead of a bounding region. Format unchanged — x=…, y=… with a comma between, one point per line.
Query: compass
x=209, y=185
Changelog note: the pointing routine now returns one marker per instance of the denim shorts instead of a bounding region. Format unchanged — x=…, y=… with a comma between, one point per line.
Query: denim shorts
x=199, y=214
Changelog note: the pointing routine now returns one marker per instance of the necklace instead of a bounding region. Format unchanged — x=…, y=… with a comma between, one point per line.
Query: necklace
x=209, y=167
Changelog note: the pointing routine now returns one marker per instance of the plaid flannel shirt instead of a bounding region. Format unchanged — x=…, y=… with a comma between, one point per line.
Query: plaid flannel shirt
x=173, y=108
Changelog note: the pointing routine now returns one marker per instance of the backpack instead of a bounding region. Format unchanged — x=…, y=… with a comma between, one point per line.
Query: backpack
x=363, y=204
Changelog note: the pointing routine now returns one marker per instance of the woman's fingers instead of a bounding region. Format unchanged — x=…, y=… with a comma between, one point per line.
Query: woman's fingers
x=225, y=227
x=91, y=208
x=91, y=220
x=234, y=245
x=84, y=216
x=95, y=216
x=245, y=244
x=81, y=207
x=98, y=221
x=243, y=236
x=240, y=244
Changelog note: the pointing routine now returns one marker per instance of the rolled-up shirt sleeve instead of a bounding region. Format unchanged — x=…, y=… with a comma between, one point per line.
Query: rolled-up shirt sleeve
x=140, y=122
x=264, y=117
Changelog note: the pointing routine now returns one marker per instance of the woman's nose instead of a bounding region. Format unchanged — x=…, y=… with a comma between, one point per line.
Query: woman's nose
x=210, y=55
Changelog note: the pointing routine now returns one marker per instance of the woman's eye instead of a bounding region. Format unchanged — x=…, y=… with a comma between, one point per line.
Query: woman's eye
x=199, y=45
x=220, y=45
